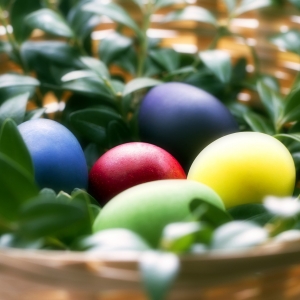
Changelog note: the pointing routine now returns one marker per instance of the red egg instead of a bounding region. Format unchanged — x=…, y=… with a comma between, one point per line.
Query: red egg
x=128, y=165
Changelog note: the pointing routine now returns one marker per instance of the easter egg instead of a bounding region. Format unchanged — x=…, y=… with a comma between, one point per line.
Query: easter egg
x=245, y=167
x=58, y=160
x=183, y=119
x=147, y=208
x=128, y=165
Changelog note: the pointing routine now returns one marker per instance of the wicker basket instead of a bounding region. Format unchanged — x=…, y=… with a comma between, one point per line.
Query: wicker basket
x=266, y=273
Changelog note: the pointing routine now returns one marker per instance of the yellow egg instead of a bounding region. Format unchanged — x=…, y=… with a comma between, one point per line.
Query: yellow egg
x=245, y=167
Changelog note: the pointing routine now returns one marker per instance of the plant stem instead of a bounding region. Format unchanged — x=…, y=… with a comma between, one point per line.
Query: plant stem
x=147, y=12
x=12, y=41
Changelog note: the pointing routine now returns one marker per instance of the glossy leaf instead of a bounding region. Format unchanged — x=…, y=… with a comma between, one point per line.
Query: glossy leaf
x=20, y=9
x=164, y=3
x=82, y=22
x=128, y=61
x=167, y=58
x=230, y=4
x=218, y=62
x=49, y=21
x=180, y=237
x=159, y=271
x=192, y=13
x=114, y=12
x=214, y=216
x=289, y=40
x=14, y=108
x=293, y=136
x=112, y=240
x=5, y=47
x=92, y=122
x=13, y=146
x=74, y=75
x=291, y=110
x=17, y=187
x=254, y=212
x=34, y=114
x=97, y=66
x=117, y=133
x=12, y=80
x=248, y=5
x=285, y=207
x=271, y=100
x=4, y=3
x=114, y=45
x=238, y=235
x=296, y=3
x=40, y=54
x=139, y=3
x=89, y=86
x=61, y=217
x=258, y=123
x=140, y=83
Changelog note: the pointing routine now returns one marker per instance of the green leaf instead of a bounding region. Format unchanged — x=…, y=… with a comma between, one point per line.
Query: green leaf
x=112, y=240
x=206, y=212
x=92, y=122
x=5, y=47
x=192, y=13
x=88, y=85
x=164, y=3
x=12, y=80
x=61, y=217
x=13, y=146
x=291, y=110
x=230, y=4
x=4, y=3
x=159, y=271
x=12, y=240
x=285, y=207
x=218, y=62
x=41, y=55
x=117, y=133
x=114, y=12
x=296, y=3
x=293, y=136
x=258, y=123
x=254, y=212
x=17, y=187
x=50, y=22
x=180, y=237
x=167, y=58
x=128, y=61
x=247, y=5
x=139, y=3
x=74, y=75
x=113, y=46
x=238, y=235
x=140, y=83
x=34, y=114
x=20, y=9
x=289, y=40
x=97, y=66
x=271, y=100
x=14, y=108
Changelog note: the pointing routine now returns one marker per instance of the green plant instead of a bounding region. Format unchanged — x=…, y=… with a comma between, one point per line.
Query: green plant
x=100, y=107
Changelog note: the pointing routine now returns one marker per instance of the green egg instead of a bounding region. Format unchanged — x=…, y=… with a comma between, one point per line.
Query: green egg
x=147, y=208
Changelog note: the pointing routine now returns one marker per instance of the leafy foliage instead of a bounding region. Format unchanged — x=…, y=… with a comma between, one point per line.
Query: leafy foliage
x=98, y=89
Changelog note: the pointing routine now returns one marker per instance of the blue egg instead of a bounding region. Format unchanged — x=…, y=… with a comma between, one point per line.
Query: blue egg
x=58, y=159
x=183, y=120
